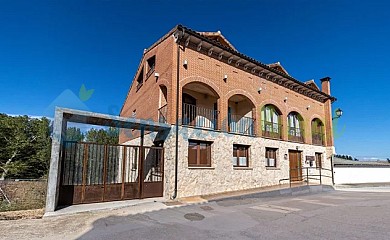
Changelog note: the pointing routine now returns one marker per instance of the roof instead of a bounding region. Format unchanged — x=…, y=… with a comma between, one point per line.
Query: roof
x=218, y=37
x=86, y=117
x=312, y=84
x=340, y=162
x=278, y=67
x=276, y=73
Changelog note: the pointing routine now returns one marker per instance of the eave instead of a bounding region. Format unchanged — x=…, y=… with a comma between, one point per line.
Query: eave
x=192, y=39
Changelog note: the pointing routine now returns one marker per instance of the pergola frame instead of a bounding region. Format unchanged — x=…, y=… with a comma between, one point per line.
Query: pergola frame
x=63, y=116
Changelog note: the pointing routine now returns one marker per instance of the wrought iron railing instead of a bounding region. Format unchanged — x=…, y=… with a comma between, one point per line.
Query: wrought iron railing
x=193, y=115
x=307, y=174
x=241, y=124
x=295, y=134
x=318, y=138
x=271, y=130
x=162, y=114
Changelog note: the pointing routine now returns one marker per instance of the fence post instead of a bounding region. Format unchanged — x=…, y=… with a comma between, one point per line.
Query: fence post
x=307, y=176
x=105, y=170
x=141, y=162
x=124, y=155
x=84, y=177
x=320, y=176
x=331, y=168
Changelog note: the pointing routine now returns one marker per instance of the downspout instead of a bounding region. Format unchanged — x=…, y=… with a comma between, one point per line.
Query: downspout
x=177, y=114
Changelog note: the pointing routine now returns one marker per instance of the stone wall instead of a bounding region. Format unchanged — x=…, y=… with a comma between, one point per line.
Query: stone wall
x=222, y=176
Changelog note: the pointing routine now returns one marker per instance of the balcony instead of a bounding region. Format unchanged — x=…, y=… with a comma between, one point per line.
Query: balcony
x=318, y=138
x=271, y=130
x=195, y=116
x=296, y=134
x=162, y=114
x=241, y=124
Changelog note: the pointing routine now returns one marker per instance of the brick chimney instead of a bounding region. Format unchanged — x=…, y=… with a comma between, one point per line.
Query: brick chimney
x=325, y=88
x=325, y=85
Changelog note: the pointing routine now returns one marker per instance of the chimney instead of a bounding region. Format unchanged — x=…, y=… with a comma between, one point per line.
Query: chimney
x=325, y=85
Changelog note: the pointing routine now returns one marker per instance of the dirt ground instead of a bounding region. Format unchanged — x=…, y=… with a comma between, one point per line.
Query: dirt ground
x=22, y=214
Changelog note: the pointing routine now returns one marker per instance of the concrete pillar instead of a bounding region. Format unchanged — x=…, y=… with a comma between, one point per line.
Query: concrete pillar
x=53, y=184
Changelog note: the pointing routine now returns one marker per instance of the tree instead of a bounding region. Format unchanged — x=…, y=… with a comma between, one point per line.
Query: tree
x=102, y=136
x=74, y=134
x=24, y=146
x=388, y=160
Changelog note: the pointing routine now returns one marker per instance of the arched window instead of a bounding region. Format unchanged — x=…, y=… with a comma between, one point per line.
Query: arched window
x=317, y=132
x=295, y=127
x=270, y=122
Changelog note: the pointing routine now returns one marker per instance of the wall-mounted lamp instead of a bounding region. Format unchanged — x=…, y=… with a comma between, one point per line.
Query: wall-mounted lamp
x=297, y=148
x=185, y=63
x=285, y=99
x=157, y=75
x=339, y=113
x=308, y=107
x=285, y=156
x=259, y=90
x=225, y=77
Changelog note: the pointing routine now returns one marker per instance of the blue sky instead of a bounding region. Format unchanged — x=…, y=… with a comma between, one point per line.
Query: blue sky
x=48, y=47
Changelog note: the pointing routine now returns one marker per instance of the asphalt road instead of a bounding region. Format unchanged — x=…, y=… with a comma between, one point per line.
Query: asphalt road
x=329, y=215
x=334, y=215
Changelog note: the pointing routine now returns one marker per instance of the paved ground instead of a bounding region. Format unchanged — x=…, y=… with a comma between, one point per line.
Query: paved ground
x=331, y=215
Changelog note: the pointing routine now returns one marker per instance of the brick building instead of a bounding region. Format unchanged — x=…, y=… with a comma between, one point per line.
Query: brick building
x=241, y=123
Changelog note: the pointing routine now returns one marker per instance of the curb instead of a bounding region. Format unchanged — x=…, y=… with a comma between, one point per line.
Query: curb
x=294, y=191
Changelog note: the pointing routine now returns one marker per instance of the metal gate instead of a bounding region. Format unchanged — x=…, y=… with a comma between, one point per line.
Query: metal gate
x=94, y=172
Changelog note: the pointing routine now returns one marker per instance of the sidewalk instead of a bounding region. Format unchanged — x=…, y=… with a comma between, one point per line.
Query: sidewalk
x=140, y=205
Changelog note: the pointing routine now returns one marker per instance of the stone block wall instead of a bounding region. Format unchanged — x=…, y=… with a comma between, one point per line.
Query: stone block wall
x=222, y=176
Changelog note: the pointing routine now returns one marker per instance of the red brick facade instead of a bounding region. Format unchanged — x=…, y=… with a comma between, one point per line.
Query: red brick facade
x=204, y=72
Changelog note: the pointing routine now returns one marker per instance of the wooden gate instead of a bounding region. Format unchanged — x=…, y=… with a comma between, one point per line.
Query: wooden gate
x=295, y=165
x=92, y=172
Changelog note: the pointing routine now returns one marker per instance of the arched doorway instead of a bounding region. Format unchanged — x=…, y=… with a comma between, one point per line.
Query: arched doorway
x=199, y=106
x=317, y=132
x=295, y=127
x=241, y=115
x=271, y=123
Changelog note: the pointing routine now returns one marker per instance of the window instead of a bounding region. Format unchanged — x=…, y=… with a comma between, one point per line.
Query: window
x=295, y=127
x=270, y=122
x=270, y=155
x=317, y=132
x=240, y=155
x=199, y=154
x=151, y=65
x=140, y=79
x=318, y=160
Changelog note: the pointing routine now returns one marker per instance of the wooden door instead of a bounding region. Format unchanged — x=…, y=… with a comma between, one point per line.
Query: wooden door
x=295, y=165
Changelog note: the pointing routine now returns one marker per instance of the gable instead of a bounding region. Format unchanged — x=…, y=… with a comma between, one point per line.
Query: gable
x=279, y=67
x=312, y=84
x=219, y=38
